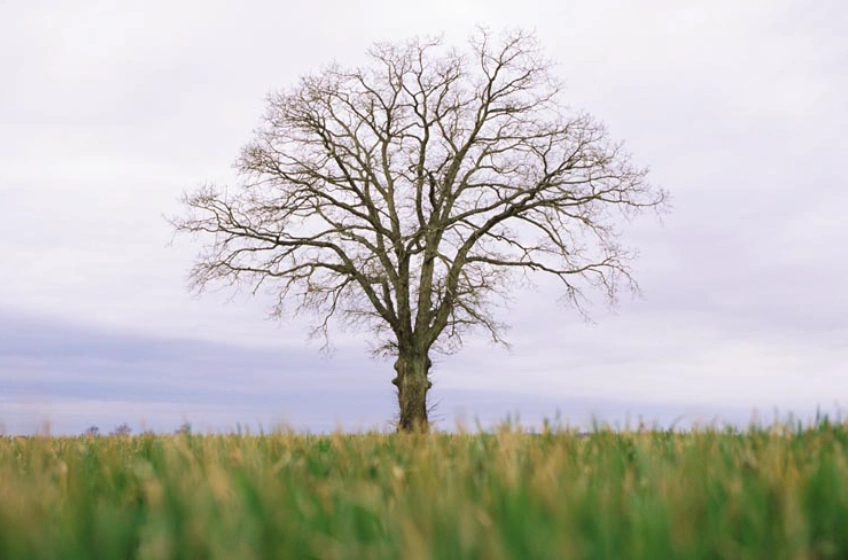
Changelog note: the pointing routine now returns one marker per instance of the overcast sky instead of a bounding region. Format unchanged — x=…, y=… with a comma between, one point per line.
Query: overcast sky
x=109, y=110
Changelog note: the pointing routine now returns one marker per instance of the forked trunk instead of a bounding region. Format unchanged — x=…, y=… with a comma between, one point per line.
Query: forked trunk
x=412, y=384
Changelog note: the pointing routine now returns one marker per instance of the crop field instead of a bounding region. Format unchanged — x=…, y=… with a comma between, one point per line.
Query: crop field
x=779, y=492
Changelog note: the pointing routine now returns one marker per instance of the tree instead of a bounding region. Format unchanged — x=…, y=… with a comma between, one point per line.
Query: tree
x=122, y=430
x=405, y=197
x=184, y=429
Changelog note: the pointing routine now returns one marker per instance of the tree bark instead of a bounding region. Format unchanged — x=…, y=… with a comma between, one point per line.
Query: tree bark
x=412, y=382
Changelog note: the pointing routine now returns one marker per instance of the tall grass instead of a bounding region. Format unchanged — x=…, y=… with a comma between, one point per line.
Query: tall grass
x=765, y=493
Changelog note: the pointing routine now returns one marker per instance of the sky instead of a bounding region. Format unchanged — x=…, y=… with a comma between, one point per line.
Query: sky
x=110, y=110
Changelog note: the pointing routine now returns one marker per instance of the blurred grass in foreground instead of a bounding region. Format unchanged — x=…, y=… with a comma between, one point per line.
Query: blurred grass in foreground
x=779, y=492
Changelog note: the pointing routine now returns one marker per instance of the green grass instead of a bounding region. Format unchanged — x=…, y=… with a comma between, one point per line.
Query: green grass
x=765, y=493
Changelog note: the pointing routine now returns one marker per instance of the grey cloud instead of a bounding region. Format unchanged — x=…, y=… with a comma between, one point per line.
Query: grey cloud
x=74, y=376
x=57, y=364
x=738, y=108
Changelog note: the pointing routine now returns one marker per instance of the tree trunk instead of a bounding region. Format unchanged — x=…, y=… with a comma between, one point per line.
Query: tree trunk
x=412, y=385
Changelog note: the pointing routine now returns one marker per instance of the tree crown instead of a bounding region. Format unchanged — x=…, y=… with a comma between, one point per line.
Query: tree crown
x=406, y=196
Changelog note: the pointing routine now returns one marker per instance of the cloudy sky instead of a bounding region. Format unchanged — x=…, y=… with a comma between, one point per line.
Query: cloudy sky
x=109, y=110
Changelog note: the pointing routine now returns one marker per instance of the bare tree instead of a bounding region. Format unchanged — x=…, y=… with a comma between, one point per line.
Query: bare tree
x=122, y=430
x=405, y=196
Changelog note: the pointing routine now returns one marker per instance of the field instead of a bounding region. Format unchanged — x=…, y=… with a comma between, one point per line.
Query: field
x=778, y=492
